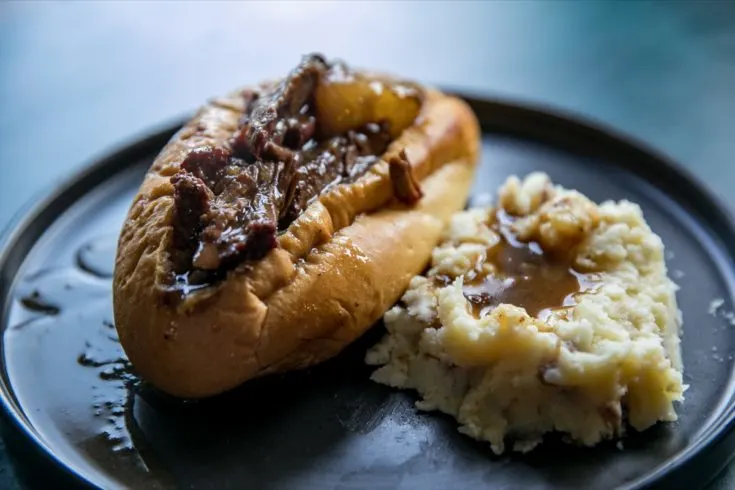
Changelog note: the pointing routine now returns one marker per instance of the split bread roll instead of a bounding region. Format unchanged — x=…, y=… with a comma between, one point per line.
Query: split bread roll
x=282, y=221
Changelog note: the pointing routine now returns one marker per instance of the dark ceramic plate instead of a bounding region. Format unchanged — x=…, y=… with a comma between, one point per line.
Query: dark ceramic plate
x=71, y=401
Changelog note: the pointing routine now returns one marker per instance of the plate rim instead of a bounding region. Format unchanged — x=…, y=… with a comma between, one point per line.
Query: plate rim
x=111, y=162
x=24, y=217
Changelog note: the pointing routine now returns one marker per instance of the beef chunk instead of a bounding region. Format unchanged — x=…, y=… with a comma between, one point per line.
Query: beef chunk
x=207, y=164
x=191, y=198
x=405, y=186
x=241, y=222
x=283, y=114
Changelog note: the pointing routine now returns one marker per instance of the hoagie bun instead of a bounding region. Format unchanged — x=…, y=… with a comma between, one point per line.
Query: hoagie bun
x=283, y=220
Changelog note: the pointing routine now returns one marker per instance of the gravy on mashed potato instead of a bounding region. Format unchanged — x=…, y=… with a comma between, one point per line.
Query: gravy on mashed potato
x=547, y=313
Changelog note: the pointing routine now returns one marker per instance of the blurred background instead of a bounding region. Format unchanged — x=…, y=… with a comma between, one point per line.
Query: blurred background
x=78, y=79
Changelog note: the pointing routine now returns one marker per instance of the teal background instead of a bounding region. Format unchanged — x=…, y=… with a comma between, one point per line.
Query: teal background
x=80, y=78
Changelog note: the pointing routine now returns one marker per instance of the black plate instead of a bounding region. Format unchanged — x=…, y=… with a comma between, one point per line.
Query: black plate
x=67, y=391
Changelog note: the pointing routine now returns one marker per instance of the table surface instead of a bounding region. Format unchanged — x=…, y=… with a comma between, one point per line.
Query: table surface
x=77, y=79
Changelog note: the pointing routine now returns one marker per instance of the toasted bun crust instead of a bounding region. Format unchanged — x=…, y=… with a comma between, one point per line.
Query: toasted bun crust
x=337, y=269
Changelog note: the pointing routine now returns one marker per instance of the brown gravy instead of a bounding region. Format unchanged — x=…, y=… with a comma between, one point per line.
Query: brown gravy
x=526, y=277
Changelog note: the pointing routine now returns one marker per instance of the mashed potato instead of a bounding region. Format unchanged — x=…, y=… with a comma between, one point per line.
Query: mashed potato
x=547, y=313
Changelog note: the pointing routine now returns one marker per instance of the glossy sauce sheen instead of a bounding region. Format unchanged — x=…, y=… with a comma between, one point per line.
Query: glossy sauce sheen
x=526, y=277
x=64, y=330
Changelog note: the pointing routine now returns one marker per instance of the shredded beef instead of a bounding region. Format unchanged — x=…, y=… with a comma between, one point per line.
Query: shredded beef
x=231, y=202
